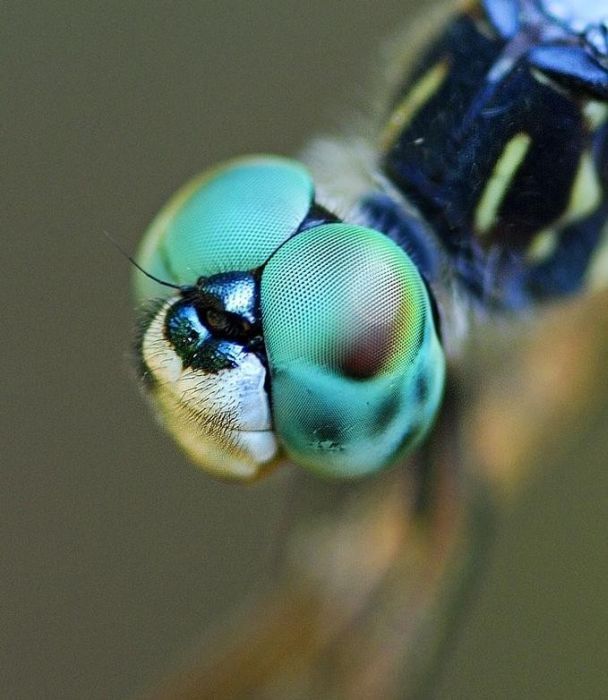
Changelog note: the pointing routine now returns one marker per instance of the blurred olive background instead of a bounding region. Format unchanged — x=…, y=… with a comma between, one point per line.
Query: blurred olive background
x=117, y=553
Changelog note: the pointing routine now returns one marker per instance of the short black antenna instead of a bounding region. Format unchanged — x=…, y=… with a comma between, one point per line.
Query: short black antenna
x=132, y=260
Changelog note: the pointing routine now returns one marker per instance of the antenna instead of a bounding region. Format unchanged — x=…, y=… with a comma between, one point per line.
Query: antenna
x=131, y=259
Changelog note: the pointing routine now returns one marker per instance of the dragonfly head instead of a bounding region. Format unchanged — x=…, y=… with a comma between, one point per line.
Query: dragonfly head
x=287, y=333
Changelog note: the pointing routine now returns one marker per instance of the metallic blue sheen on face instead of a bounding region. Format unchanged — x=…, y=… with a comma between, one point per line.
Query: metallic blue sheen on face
x=236, y=293
x=215, y=321
x=195, y=345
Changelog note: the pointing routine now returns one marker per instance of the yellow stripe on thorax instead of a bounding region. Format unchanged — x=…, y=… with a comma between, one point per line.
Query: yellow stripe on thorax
x=500, y=181
x=412, y=103
x=586, y=192
x=585, y=197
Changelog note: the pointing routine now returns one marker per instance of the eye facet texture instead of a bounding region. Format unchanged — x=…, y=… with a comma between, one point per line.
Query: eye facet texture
x=229, y=219
x=357, y=369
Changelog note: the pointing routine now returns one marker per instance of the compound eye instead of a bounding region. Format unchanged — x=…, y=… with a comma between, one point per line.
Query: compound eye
x=357, y=369
x=230, y=218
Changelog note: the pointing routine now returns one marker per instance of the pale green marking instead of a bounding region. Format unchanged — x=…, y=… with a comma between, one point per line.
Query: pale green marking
x=411, y=104
x=546, y=80
x=585, y=196
x=596, y=277
x=596, y=114
x=500, y=181
x=586, y=193
x=543, y=245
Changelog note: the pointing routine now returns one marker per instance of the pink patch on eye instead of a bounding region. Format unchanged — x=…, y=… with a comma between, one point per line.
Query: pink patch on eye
x=368, y=357
x=374, y=341
x=371, y=352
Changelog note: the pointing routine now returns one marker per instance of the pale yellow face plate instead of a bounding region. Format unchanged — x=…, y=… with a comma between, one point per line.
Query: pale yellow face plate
x=221, y=420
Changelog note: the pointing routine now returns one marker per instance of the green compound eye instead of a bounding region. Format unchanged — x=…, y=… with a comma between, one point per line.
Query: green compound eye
x=357, y=369
x=231, y=218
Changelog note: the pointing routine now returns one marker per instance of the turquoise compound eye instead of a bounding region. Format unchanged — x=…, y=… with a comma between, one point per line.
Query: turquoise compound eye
x=231, y=218
x=357, y=369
